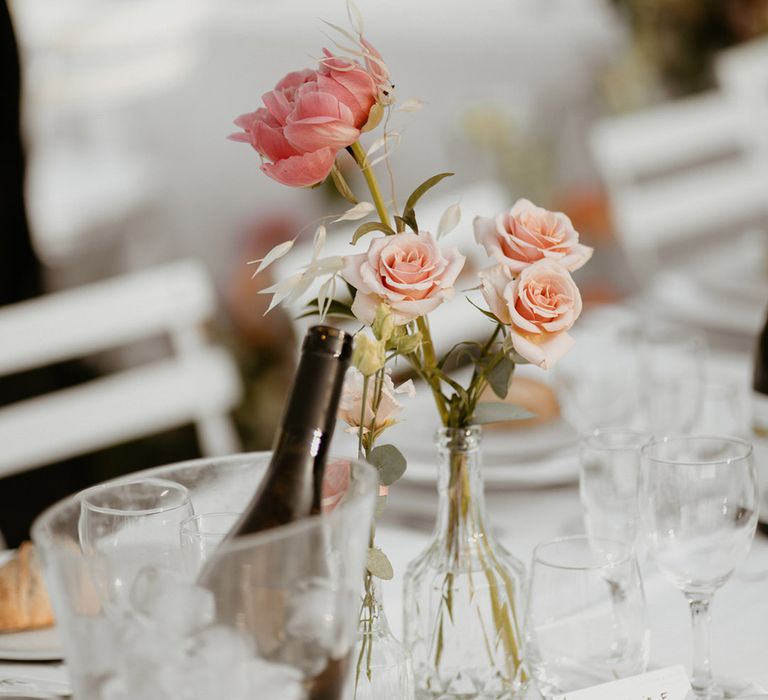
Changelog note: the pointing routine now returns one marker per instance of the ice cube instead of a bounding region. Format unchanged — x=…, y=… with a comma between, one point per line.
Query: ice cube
x=176, y=606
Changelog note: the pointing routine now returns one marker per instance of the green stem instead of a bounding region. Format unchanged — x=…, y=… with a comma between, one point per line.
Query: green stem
x=361, y=427
x=370, y=179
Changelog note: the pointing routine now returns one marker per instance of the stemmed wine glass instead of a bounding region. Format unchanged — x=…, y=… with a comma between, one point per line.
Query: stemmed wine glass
x=698, y=510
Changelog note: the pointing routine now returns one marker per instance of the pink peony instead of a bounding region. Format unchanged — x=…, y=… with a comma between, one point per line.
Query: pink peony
x=528, y=233
x=307, y=118
x=407, y=272
x=539, y=306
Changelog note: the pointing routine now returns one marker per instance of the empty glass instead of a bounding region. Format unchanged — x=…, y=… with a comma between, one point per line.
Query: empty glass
x=698, y=509
x=201, y=535
x=609, y=462
x=670, y=379
x=129, y=521
x=586, y=617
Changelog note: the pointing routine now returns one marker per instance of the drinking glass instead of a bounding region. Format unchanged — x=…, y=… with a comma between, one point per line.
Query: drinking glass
x=698, y=509
x=201, y=535
x=609, y=462
x=125, y=522
x=585, y=618
x=670, y=379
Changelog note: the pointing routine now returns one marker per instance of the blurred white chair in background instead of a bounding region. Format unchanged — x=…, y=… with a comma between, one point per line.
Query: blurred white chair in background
x=87, y=64
x=742, y=72
x=677, y=172
x=199, y=384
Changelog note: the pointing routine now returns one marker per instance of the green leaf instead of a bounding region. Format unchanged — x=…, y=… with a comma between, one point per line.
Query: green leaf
x=341, y=185
x=402, y=223
x=499, y=376
x=493, y=412
x=337, y=308
x=390, y=463
x=493, y=317
x=417, y=194
x=371, y=226
x=378, y=564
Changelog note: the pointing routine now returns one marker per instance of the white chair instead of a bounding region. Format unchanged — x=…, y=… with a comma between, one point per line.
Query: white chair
x=679, y=171
x=742, y=72
x=198, y=384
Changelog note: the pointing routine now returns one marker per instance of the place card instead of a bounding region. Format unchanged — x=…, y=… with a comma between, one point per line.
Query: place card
x=665, y=684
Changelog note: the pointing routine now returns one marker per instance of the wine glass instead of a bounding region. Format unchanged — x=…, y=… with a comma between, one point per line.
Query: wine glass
x=585, y=617
x=670, y=379
x=201, y=535
x=698, y=509
x=127, y=525
x=609, y=467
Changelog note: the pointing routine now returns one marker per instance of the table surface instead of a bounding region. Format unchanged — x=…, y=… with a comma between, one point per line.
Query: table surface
x=522, y=517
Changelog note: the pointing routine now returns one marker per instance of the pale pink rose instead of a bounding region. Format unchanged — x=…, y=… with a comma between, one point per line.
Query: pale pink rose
x=308, y=118
x=351, y=403
x=528, y=233
x=407, y=272
x=539, y=305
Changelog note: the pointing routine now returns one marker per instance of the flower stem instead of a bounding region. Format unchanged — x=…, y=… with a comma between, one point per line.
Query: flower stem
x=370, y=179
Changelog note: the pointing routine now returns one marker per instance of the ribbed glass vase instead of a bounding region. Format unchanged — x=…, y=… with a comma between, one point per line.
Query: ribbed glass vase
x=463, y=594
x=382, y=667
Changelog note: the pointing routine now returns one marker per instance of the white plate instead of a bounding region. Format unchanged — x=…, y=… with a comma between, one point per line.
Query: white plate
x=31, y=645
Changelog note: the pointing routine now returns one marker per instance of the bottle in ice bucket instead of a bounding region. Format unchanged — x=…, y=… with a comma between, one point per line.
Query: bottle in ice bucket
x=760, y=419
x=288, y=624
x=292, y=487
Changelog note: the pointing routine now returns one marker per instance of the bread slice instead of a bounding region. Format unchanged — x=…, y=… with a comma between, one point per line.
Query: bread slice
x=24, y=602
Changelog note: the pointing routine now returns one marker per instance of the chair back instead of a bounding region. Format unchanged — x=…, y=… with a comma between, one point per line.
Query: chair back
x=198, y=384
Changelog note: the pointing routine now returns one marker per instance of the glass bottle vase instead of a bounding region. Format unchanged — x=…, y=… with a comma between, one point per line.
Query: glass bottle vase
x=463, y=594
x=381, y=668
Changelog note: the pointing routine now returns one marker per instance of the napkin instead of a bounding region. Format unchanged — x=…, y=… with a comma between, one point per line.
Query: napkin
x=753, y=692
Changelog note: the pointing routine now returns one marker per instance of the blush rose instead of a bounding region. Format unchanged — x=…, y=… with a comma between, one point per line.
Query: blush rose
x=408, y=272
x=528, y=233
x=308, y=117
x=539, y=305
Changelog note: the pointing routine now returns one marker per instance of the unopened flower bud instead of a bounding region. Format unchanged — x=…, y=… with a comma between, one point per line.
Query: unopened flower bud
x=407, y=344
x=368, y=355
x=384, y=323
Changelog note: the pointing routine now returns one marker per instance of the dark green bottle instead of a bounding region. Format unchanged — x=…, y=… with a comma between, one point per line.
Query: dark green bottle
x=292, y=486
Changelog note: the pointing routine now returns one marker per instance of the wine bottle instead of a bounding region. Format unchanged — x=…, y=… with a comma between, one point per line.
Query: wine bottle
x=292, y=486
x=760, y=419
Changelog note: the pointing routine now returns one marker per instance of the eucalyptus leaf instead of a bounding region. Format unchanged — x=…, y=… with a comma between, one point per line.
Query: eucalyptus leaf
x=493, y=412
x=390, y=463
x=378, y=564
x=417, y=194
x=498, y=378
x=371, y=226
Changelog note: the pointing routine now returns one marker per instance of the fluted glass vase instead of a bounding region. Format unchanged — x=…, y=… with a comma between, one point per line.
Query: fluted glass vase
x=383, y=669
x=463, y=594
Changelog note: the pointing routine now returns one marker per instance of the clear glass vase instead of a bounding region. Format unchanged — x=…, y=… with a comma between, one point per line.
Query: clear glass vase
x=382, y=667
x=463, y=594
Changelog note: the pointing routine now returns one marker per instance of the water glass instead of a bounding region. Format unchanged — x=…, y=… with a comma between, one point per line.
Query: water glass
x=201, y=535
x=670, y=379
x=609, y=467
x=126, y=525
x=586, y=616
x=698, y=502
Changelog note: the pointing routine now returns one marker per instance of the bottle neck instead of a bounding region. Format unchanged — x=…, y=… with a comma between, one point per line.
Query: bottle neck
x=461, y=505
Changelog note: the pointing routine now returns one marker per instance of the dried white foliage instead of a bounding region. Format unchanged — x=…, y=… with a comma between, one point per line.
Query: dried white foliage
x=449, y=220
x=359, y=211
x=275, y=254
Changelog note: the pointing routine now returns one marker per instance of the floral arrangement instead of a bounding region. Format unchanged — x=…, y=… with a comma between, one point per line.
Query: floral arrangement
x=403, y=272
